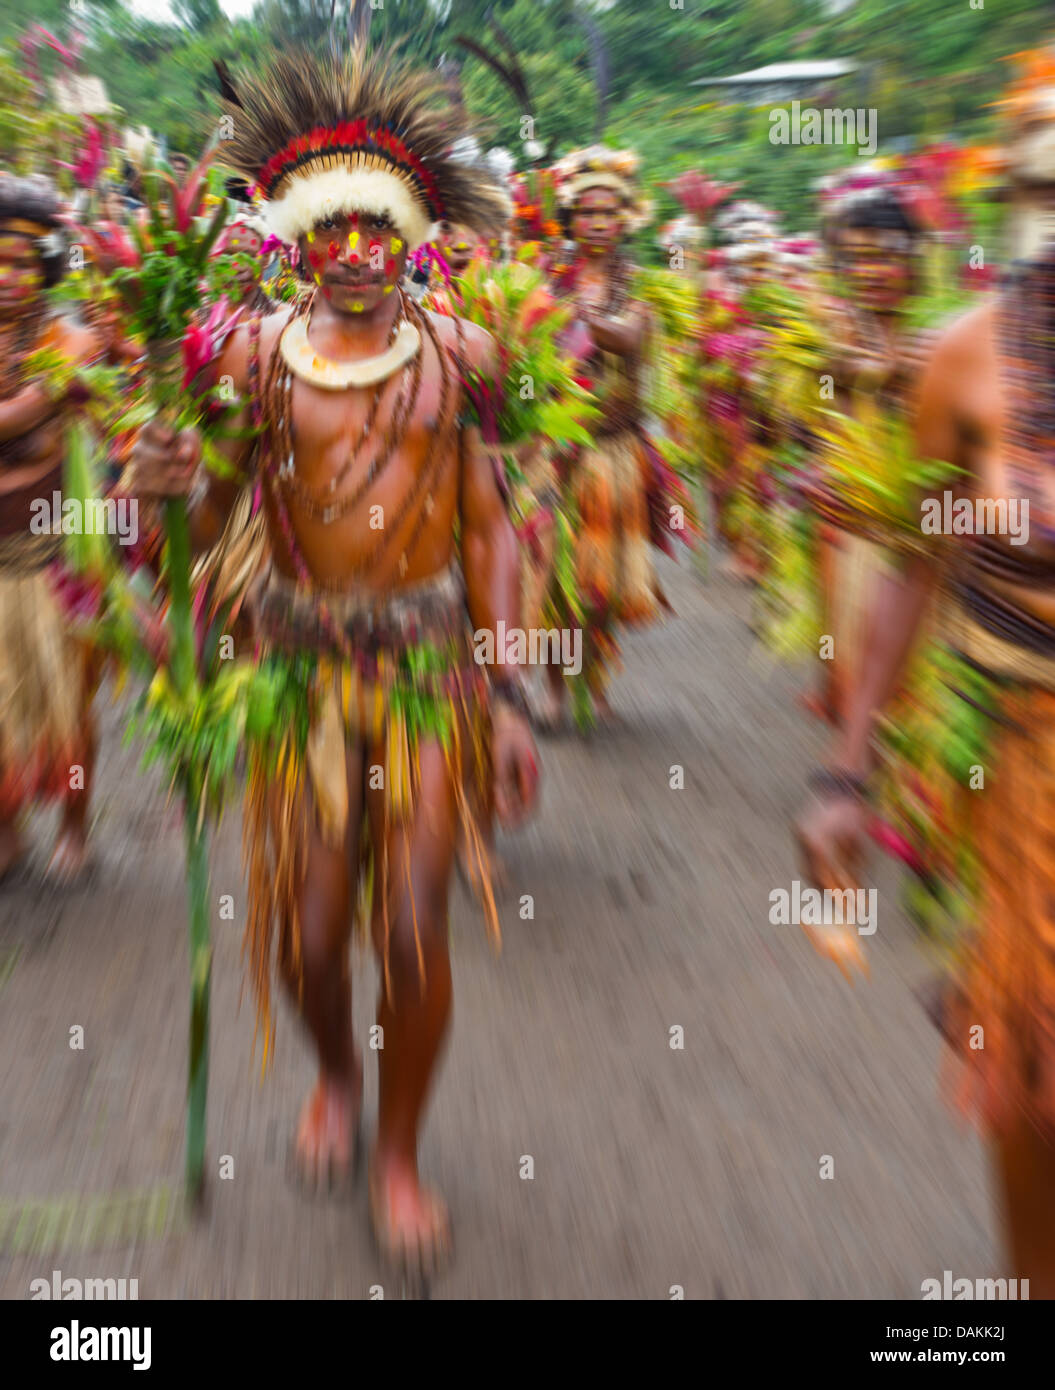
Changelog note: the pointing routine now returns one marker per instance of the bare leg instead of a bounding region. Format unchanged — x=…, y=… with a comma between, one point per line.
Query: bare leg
x=71, y=846
x=1027, y=1172
x=551, y=702
x=414, y=1008
x=330, y=1115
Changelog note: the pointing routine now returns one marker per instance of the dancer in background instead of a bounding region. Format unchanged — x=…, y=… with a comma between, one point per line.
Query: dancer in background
x=613, y=489
x=47, y=731
x=984, y=406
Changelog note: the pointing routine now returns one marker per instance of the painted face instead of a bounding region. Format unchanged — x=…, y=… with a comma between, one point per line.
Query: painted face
x=878, y=265
x=21, y=273
x=245, y=242
x=457, y=244
x=597, y=223
x=356, y=259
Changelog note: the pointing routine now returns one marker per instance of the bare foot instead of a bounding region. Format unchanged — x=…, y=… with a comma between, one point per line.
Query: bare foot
x=603, y=712
x=734, y=566
x=547, y=706
x=411, y=1223
x=325, y=1151
x=69, y=860
x=816, y=705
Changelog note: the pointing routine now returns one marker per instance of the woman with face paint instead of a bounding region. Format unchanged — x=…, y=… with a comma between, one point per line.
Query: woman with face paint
x=47, y=735
x=608, y=489
x=984, y=405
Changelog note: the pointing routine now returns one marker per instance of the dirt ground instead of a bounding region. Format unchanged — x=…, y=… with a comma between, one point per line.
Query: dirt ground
x=653, y=1166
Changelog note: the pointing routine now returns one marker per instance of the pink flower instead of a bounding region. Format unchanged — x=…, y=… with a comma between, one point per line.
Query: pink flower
x=90, y=157
x=196, y=349
x=698, y=194
x=202, y=342
x=892, y=842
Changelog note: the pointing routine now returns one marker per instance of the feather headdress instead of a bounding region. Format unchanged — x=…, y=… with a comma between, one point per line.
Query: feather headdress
x=363, y=133
x=30, y=206
x=1029, y=106
x=600, y=167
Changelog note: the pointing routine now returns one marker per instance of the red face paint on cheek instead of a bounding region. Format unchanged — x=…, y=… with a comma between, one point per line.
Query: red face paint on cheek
x=390, y=268
x=331, y=250
x=315, y=258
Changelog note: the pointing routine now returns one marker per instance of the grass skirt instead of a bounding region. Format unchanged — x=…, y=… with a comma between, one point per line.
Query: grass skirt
x=417, y=684
x=41, y=682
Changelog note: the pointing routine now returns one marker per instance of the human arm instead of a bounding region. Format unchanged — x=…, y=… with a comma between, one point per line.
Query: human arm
x=166, y=464
x=491, y=564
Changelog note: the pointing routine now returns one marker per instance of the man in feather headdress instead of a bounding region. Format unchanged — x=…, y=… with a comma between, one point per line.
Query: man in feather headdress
x=389, y=538
x=46, y=736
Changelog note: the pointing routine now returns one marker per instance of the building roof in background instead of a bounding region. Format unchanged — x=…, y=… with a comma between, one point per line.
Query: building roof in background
x=78, y=95
x=816, y=71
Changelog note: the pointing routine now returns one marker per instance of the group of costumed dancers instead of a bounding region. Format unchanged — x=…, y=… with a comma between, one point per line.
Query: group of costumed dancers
x=414, y=398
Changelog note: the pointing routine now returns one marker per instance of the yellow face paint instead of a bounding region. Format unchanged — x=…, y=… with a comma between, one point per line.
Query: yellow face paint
x=353, y=240
x=397, y=246
x=388, y=289
x=357, y=308
x=311, y=237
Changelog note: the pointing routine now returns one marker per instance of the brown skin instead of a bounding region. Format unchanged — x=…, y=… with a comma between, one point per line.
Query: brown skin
x=104, y=320
x=244, y=241
x=457, y=243
x=31, y=431
x=352, y=319
x=874, y=354
x=959, y=418
x=114, y=207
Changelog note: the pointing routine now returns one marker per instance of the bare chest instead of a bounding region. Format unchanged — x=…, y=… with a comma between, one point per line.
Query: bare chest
x=369, y=477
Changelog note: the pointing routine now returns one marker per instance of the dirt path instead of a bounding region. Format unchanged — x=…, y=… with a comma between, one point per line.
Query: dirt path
x=653, y=1167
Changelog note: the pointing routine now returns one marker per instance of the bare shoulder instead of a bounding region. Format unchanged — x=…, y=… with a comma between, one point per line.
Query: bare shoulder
x=75, y=341
x=234, y=360
x=969, y=339
x=479, y=346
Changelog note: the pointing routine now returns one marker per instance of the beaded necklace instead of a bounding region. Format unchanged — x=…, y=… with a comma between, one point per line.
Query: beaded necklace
x=324, y=506
x=275, y=414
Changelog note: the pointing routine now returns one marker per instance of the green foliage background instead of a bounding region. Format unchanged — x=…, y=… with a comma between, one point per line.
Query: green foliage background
x=929, y=67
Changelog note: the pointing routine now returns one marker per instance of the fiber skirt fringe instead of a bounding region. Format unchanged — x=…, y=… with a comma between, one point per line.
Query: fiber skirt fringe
x=386, y=702
x=41, y=683
x=614, y=572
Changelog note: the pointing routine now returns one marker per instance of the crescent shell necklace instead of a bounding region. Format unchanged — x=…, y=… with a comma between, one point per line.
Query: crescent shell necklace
x=308, y=364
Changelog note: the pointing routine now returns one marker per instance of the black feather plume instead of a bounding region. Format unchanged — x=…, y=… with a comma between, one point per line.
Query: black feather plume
x=227, y=88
